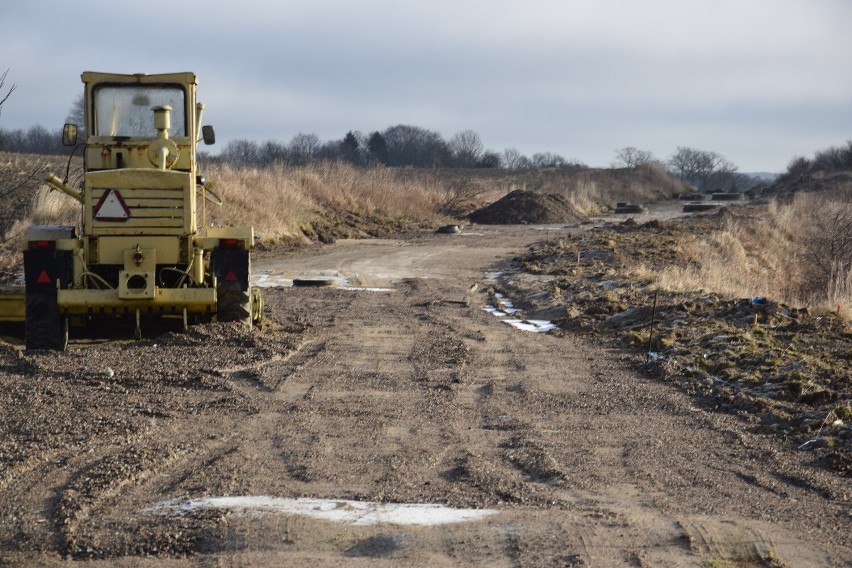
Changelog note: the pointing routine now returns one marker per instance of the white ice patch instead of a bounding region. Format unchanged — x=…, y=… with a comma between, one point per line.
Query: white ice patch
x=342, y=511
x=269, y=280
x=505, y=308
x=535, y=326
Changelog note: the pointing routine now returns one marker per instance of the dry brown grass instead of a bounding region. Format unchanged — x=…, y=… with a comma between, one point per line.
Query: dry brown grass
x=781, y=253
x=594, y=190
x=282, y=202
x=293, y=204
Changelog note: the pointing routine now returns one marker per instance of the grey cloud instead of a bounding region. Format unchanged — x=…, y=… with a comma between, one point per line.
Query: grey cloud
x=579, y=78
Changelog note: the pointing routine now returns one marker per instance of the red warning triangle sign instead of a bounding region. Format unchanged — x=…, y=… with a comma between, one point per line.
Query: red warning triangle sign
x=231, y=276
x=111, y=207
x=43, y=278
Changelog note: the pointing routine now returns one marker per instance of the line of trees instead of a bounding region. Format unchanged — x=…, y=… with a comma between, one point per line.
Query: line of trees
x=414, y=146
x=396, y=146
x=36, y=139
x=33, y=140
x=832, y=159
x=405, y=145
x=706, y=170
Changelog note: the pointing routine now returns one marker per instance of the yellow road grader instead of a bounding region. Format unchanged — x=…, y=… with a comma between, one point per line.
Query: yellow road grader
x=143, y=248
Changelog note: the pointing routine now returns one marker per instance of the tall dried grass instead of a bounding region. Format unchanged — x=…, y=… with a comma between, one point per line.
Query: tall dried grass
x=591, y=191
x=785, y=254
x=285, y=203
x=280, y=201
x=47, y=208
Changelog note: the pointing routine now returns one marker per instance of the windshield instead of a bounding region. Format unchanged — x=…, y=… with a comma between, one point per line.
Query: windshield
x=125, y=110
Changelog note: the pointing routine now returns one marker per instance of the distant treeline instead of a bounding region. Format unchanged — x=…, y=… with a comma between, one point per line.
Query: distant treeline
x=397, y=146
x=34, y=140
x=414, y=146
x=832, y=159
x=417, y=147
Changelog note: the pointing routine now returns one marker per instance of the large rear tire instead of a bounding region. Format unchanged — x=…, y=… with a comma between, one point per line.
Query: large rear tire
x=233, y=303
x=45, y=327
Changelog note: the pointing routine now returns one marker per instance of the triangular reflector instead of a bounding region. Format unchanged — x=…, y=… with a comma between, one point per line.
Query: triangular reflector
x=231, y=276
x=43, y=278
x=111, y=207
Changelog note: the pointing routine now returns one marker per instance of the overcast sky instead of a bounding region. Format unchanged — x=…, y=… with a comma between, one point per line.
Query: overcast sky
x=759, y=81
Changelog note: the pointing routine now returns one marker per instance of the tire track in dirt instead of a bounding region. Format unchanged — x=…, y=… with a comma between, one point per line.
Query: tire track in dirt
x=626, y=514
x=410, y=396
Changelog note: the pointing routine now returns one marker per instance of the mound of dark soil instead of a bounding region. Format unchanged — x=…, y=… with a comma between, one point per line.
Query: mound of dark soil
x=527, y=207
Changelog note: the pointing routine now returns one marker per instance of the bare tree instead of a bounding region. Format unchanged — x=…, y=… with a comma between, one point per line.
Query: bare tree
x=415, y=146
x=548, y=160
x=241, y=151
x=303, y=148
x=632, y=156
x=4, y=98
x=77, y=115
x=514, y=160
x=272, y=151
x=466, y=148
x=724, y=176
x=684, y=163
x=697, y=166
x=489, y=159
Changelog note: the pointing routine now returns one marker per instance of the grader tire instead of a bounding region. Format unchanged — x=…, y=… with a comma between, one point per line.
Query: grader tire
x=45, y=327
x=233, y=304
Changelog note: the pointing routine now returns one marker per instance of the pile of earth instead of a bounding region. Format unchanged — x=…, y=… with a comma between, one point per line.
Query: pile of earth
x=786, y=370
x=527, y=207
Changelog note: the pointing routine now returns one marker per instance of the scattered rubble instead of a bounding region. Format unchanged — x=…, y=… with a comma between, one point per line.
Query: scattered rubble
x=785, y=368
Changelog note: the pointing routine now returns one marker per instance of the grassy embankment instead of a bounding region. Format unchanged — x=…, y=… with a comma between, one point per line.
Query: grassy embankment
x=324, y=201
x=796, y=251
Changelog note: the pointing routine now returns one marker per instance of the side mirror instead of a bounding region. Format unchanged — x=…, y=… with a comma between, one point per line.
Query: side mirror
x=69, y=134
x=208, y=135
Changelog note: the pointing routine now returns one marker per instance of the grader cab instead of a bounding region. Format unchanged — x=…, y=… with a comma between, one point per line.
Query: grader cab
x=144, y=250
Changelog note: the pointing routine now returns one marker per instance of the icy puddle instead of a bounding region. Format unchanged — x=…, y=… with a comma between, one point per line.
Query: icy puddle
x=535, y=326
x=268, y=280
x=350, y=512
x=505, y=308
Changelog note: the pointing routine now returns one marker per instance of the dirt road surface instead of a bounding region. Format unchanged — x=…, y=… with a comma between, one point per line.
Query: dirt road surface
x=542, y=449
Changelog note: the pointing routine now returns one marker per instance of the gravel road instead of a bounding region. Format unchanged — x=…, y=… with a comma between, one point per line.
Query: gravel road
x=391, y=422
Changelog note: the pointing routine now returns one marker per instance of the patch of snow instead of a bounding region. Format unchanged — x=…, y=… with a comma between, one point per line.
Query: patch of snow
x=338, y=510
x=506, y=308
x=268, y=280
x=494, y=311
x=535, y=326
